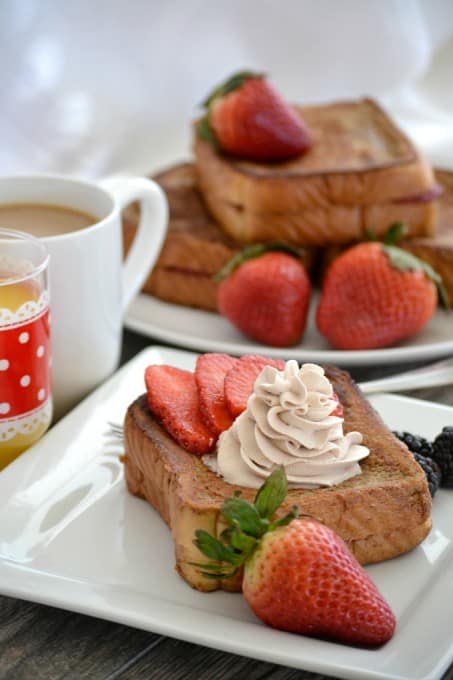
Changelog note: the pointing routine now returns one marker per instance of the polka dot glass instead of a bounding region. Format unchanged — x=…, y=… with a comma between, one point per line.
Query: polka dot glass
x=25, y=360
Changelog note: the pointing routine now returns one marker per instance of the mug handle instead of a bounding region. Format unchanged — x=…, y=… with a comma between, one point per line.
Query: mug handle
x=150, y=232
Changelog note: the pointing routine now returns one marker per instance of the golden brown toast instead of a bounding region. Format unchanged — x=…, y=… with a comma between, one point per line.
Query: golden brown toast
x=352, y=179
x=381, y=513
x=195, y=248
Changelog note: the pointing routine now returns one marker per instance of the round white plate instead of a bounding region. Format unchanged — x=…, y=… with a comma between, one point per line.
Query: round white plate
x=210, y=332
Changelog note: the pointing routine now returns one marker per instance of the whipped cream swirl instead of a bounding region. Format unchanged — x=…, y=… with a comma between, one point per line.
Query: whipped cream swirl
x=288, y=422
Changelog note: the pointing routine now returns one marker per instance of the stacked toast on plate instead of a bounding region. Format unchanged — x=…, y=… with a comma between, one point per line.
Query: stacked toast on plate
x=361, y=175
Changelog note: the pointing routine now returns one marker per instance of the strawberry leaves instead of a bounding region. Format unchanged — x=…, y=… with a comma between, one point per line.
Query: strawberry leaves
x=205, y=131
x=239, y=514
x=272, y=494
x=215, y=549
x=233, y=83
x=405, y=261
x=253, y=251
x=395, y=233
x=247, y=524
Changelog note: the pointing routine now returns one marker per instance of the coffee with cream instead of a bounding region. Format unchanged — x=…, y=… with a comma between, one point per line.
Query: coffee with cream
x=43, y=220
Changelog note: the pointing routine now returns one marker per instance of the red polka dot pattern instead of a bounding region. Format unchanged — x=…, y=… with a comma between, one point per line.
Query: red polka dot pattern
x=24, y=366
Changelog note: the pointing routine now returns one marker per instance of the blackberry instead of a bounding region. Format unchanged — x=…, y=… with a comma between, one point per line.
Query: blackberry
x=443, y=455
x=431, y=470
x=416, y=444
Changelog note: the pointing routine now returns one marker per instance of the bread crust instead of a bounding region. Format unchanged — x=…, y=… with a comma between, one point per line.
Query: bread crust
x=359, y=159
x=195, y=247
x=380, y=514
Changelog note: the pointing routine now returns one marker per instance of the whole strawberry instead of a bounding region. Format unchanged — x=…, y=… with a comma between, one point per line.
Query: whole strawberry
x=375, y=295
x=248, y=118
x=266, y=297
x=325, y=590
x=299, y=576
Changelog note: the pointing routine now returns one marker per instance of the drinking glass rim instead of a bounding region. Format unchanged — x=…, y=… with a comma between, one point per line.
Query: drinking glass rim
x=17, y=235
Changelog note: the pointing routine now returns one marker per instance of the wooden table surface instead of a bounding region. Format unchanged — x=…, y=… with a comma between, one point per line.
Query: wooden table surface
x=43, y=643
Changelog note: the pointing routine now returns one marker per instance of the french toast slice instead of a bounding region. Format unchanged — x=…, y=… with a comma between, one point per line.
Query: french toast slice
x=195, y=247
x=358, y=170
x=382, y=513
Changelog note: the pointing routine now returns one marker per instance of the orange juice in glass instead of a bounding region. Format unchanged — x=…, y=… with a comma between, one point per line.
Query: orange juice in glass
x=25, y=393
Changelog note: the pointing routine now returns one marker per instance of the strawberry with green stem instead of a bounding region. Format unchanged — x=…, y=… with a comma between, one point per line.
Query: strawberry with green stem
x=299, y=576
x=247, y=117
x=265, y=292
x=376, y=294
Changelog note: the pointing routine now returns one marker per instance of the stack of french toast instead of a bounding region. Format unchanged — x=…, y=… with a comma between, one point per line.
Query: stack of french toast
x=360, y=175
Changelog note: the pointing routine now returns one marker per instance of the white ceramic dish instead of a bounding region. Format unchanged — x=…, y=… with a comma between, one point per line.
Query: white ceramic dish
x=209, y=332
x=72, y=537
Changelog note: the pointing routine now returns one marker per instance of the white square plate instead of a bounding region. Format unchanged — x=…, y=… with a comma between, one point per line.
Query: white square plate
x=71, y=536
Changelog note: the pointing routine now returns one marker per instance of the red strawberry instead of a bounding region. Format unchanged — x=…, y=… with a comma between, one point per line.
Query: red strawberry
x=248, y=118
x=267, y=297
x=210, y=373
x=173, y=397
x=299, y=576
x=303, y=579
x=240, y=380
x=375, y=295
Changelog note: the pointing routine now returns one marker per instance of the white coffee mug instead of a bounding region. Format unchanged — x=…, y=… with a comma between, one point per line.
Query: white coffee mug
x=90, y=285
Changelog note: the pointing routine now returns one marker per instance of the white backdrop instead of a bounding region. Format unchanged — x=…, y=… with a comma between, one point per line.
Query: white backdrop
x=94, y=87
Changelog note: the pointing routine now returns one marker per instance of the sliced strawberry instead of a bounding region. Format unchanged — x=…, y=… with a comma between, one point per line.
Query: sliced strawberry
x=339, y=408
x=240, y=379
x=210, y=373
x=173, y=398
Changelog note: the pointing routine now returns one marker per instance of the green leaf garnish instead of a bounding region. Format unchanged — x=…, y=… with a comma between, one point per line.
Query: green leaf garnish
x=239, y=513
x=395, y=233
x=214, y=571
x=247, y=523
x=272, y=494
x=205, y=131
x=287, y=519
x=215, y=549
x=242, y=542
